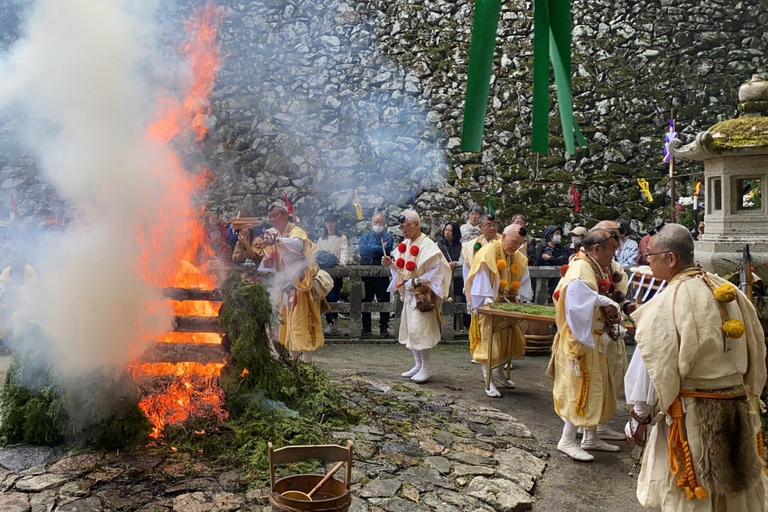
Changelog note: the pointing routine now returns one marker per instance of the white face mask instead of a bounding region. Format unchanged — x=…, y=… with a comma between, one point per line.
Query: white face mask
x=378, y=228
x=577, y=239
x=556, y=239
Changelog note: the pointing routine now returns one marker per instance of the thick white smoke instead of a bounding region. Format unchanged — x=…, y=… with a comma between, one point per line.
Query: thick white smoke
x=83, y=79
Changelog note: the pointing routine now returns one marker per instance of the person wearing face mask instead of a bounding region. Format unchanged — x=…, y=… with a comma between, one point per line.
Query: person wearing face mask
x=628, y=252
x=587, y=320
x=550, y=253
x=577, y=235
x=374, y=245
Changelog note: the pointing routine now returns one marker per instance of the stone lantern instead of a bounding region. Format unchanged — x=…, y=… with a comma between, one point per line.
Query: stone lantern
x=735, y=155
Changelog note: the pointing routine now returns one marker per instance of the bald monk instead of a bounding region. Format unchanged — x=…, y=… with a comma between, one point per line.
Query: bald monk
x=499, y=273
x=694, y=381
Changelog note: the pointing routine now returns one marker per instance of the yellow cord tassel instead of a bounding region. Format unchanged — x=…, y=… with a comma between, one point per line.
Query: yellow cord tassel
x=583, y=387
x=474, y=334
x=761, y=449
x=680, y=460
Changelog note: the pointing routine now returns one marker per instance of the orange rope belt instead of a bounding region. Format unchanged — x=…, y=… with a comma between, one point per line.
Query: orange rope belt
x=581, y=403
x=680, y=460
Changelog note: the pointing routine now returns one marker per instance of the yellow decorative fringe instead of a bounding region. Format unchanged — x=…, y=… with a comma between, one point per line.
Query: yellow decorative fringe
x=581, y=404
x=761, y=449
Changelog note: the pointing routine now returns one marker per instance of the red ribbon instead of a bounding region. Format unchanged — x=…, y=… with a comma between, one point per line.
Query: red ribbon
x=288, y=204
x=575, y=195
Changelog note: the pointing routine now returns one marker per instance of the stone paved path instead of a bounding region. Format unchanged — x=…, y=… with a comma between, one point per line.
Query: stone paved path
x=421, y=452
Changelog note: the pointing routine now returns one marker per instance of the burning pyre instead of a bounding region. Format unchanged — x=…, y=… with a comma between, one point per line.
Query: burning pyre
x=176, y=390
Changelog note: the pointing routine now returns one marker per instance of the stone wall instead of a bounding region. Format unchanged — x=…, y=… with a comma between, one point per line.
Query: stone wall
x=317, y=98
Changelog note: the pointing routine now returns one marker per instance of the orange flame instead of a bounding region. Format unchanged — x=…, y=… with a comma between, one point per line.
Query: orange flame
x=173, y=246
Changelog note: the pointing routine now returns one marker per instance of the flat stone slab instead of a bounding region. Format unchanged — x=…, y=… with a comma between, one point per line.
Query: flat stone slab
x=39, y=483
x=503, y=495
x=440, y=464
x=14, y=502
x=382, y=488
x=471, y=459
x=465, y=469
x=76, y=464
x=91, y=504
x=18, y=458
x=520, y=467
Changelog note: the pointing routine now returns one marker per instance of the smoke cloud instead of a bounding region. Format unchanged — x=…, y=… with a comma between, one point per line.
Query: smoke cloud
x=83, y=80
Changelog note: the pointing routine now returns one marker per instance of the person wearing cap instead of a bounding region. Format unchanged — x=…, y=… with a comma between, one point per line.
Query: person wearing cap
x=499, y=273
x=472, y=228
x=577, y=235
x=288, y=254
x=550, y=253
x=334, y=243
x=422, y=276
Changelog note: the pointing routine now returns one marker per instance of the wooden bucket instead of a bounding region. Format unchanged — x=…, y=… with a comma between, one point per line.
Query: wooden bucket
x=333, y=496
x=538, y=337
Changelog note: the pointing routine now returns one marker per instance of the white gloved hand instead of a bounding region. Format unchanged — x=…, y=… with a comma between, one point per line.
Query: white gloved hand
x=575, y=367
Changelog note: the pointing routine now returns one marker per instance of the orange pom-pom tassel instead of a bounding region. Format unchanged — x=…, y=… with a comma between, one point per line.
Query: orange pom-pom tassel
x=514, y=286
x=503, y=283
x=514, y=268
x=501, y=265
x=603, y=285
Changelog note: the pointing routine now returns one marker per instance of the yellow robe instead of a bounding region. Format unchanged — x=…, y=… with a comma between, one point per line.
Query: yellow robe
x=679, y=336
x=588, y=400
x=468, y=254
x=300, y=326
x=506, y=335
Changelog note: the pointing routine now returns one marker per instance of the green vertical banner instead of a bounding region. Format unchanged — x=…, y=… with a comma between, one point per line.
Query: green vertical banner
x=552, y=43
x=482, y=47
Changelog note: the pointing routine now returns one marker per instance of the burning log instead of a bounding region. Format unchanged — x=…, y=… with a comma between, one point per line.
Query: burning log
x=196, y=324
x=191, y=294
x=184, y=353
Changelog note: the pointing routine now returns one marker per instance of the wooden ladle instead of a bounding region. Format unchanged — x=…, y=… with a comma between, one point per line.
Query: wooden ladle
x=307, y=496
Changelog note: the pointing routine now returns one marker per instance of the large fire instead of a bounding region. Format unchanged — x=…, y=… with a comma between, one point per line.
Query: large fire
x=180, y=391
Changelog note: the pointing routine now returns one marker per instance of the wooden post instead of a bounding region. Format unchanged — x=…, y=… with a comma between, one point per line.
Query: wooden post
x=745, y=273
x=355, y=307
x=672, y=174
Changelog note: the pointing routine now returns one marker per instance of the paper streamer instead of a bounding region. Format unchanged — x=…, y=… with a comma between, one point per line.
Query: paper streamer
x=645, y=189
x=575, y=195
x=358, y=207
x=484, y=25
x=552, y=43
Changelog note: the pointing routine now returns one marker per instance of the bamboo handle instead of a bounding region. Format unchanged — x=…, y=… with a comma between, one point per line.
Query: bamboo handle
x=326, y=478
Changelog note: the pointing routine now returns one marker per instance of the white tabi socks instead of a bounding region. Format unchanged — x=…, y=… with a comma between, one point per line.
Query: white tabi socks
x=416, y=367
x=425, y=373
x=306, y=357
x=594, y=444
x=492, y=392
x=606, y=432
x=500, y=378
x=570, y=447
x=295, y=354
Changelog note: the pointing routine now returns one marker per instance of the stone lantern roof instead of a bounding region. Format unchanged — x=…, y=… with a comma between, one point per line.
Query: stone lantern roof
x=746, y=135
